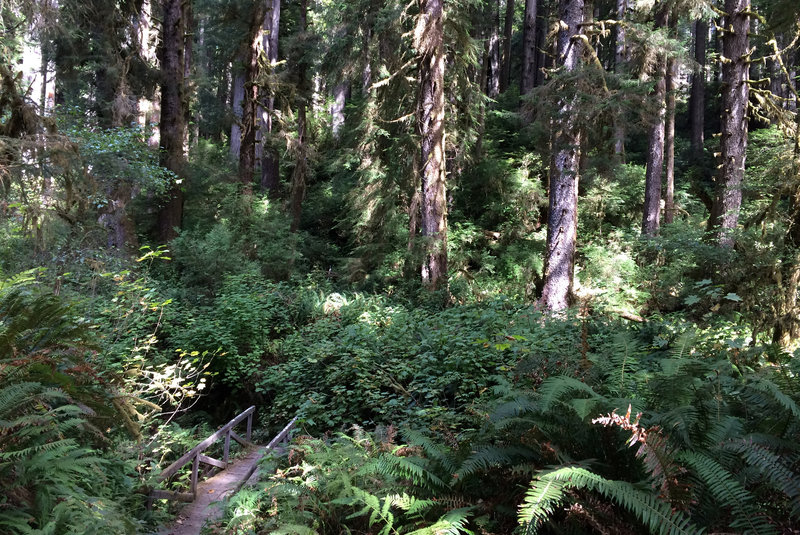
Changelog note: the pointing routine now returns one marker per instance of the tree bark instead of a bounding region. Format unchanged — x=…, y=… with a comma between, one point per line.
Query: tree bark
x=697, y=100
x=669, y=142
x=541, y=37
x=483, y=76
x=620, y=58
x=562, y=221
x=301, y=162
x=237, y=92
x=735, y=96
x=431, y=127
x=493, y=82
x=340, y=95
x=188, y=65
x=651, y=218
x=508, y=33
x=250, y=119
x=528, y=81
x=172, y=126
x=270, y=164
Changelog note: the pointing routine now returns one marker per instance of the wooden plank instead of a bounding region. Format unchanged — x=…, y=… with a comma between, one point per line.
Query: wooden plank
x=188, y=456
x=212, y=461
x=280, y=437
x=226, y=450
x=195, y=473
x=171, y=495
x=249, y=434
x=240, y=440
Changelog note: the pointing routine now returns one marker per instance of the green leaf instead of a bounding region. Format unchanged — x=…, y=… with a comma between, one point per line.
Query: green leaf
x=691, y=300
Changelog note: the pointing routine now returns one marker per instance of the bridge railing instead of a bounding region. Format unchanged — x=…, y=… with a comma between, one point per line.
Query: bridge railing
x=195, y=455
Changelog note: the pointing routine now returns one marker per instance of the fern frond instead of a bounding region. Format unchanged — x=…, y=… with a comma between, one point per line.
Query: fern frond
x=547, y=491
x=659, y=460
x=723, y=429
x=486, y=457
x=727, y=491
x=554, y=389
x=378, y=512
x=293, y=529
x=451, y=523
x=512, y=409
x=770, y=466
x=57, y=445
x=766, y=386
x=679, y=422
x=681, y=348
x=435, y=451
x=413, y=507
x=410, y=469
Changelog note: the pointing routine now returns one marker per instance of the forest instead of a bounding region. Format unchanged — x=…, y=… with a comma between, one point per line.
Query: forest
x=518, y=267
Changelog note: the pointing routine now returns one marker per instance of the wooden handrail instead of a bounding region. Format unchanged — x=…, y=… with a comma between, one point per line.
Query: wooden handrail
x=280, y=437
x=195, y=455
x=194, y=452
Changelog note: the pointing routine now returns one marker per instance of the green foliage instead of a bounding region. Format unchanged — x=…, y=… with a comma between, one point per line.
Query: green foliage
x=54, y=478
x=548, y=489
x=115, y=155
x=349, y=483
x=371, y=362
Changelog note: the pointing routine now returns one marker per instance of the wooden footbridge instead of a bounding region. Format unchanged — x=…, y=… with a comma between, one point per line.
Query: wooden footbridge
x=226, y=477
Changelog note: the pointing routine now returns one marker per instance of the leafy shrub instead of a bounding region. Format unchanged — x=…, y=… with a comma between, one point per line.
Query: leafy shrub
x=54, y=479
x=370, y=362
x=350, y=483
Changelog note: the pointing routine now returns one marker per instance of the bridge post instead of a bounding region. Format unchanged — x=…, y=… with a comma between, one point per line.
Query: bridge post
x=195, y=470
x=249, y=426
x=227, y=448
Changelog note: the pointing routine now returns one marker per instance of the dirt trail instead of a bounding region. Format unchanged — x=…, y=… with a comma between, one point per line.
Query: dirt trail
x=192, y=518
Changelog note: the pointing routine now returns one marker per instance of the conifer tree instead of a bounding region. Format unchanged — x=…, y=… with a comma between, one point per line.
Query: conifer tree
x=250, y=119
x=651, y=217
x=172, y=126
x=697, y=102
x=529, y=52
x=429, y=41
x=562, y=221
x=735, y=97
x=508, y=32
x=270, y=171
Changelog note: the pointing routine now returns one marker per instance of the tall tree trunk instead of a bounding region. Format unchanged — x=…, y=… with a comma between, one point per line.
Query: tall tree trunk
x=562, y=220
x=735, y=96
x=270, y=164
x=620, y=59
x=247, y=151
x=430, y=37
x=340, y=95
x=697, y=98
x=493, y=82
x=237, y=95
x=541, y=38
x=366, y=72
x=651, y=219
x=483, y=76
x=301, y=163
x=528, y=81
x=188, y=65
x=669, y=142
x=172, y=127
x=508, y=33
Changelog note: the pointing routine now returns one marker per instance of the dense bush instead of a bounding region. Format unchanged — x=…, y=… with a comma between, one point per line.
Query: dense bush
x=370, y=361
x=711, y=425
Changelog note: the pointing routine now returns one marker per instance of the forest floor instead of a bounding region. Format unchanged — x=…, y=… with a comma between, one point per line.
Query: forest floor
x=210, y=493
